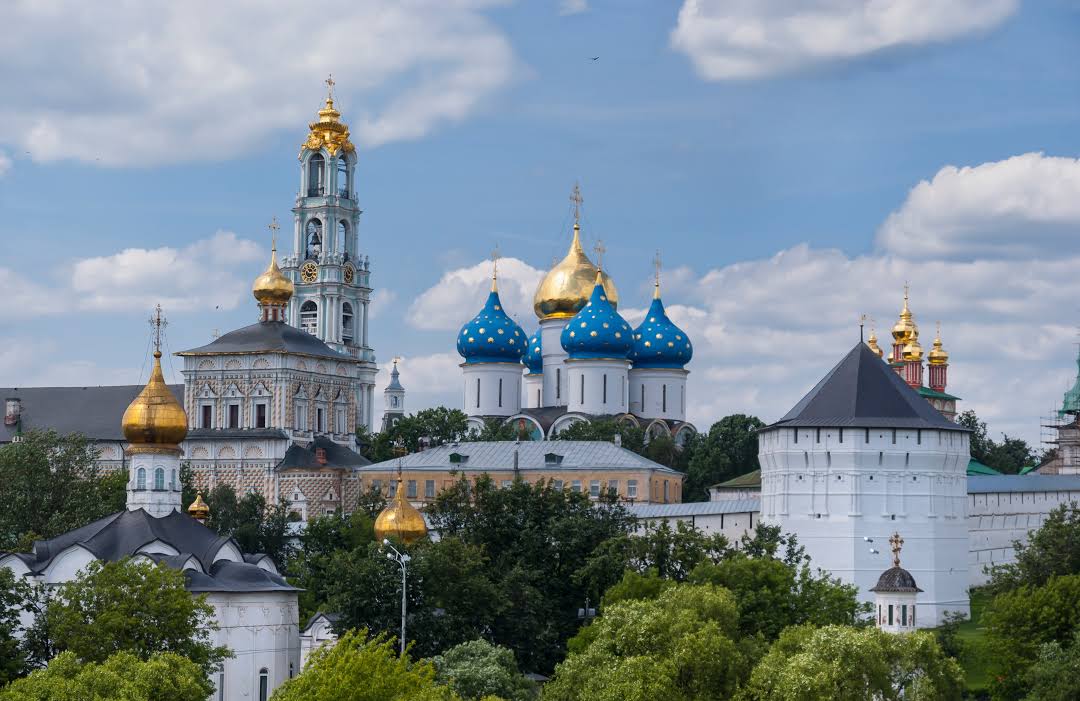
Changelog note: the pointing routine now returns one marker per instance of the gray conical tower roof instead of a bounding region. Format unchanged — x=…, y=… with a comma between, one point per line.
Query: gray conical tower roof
x=864, y=392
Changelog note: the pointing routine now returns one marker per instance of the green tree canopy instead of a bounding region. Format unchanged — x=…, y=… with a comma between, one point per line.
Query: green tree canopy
x=358, y=669
x=49, y=485
x=680, y=646
x=134, y=607
x=14, y=593
x=1055, y=676
x=854, y=664
x=436, y=425
x=1009, y=456
x=728, y=450
x=257, y=525
x=478, y=669
x=322, y=539
x=121, y=677
x=1053, y=549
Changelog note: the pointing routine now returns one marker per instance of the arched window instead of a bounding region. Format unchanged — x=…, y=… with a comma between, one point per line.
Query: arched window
x=264, y=682
x=309, y=317
x=314, y=239
x=343, y=177
x=159, y=478
x=343, y=238
x=140, y=478
x=346, y=322
x=316, y=176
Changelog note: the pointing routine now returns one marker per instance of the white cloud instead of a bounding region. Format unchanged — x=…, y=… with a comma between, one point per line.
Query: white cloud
x=199, y=276
x=149, y=83
x=460, y=294
x=5, y=164
x=429, y=380
x=573, y=7
x=741, y=39
x=380, y=301
x=1027, y=205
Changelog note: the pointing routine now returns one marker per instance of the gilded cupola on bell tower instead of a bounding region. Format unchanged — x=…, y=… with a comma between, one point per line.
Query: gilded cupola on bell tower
x=331, y=276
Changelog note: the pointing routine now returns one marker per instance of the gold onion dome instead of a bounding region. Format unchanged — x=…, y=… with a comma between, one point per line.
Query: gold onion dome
x=872, y=342
x=913, y=350
x=567, y=287
x=329, y=132
x=198, y=509
x=937, y=354
x=400, y=520
x=905, y=327
x=272, y=287
x=154, y=419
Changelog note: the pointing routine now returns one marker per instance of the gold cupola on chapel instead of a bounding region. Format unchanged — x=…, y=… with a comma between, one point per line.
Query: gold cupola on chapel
x=400, y=519
x=567, y=286
x=272, y=289
x=155, y=421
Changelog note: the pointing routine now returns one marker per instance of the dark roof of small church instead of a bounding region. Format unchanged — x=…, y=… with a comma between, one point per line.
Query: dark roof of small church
x=864, y=392
x=268, y=337
x=298, y=456
x=122, y=534
x=93, y=411
x=895, y=579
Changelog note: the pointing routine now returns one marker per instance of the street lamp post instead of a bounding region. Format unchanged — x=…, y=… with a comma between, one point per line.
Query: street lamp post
x=402, y=559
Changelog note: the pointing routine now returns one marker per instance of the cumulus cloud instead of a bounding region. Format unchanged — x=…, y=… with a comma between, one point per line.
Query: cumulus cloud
x=460, y=294
x=429, y=380
x=1027, y=205
x=150, y=83
x=745, y=39
x=573, y=7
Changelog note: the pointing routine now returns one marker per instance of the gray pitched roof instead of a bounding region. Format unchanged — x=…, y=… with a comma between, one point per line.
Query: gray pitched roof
x=696, y=508
x=268, y=337
x=499, y=456
x=1031, y=482
x=895, y=579
x=93, y=411
x=336, y=455
x=121, y=535
x=864, y=392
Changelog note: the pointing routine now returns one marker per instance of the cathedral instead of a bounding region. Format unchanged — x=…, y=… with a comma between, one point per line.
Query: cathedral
x=583, y=362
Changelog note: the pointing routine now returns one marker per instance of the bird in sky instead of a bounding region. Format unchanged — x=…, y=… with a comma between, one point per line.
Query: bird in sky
x=596, y=58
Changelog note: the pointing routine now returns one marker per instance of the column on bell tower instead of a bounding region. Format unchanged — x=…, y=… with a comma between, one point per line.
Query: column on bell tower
x=333, y=281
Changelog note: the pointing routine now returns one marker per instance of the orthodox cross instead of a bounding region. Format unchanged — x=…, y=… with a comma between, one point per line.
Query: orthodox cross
x=495, y=256
x=273, y=227
x=896, y=542
x=656, y=266
x=576, y=198
x=939, y=329
x=600, y=251
x=907, y=288
x=157, y=321
x=330, y=86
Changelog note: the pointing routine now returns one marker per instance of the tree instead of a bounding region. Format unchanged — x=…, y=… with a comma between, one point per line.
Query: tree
x=435, y=426
x=1053, y=549
x=477, y=668
x=322, y=538
x=631, y=437
x=680, y=646
x=134, y=607
x=728, y=450
x=1009, y=456
x=14, y=592
x=49, y=485
x=853, y=664
x=358, y=669
x=163, y=676
x=497, y=430
x=257, y=526
x=1018, y=622
x=1055, y=676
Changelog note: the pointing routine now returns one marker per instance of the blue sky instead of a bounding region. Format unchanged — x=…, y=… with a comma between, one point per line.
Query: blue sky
x=795, y=162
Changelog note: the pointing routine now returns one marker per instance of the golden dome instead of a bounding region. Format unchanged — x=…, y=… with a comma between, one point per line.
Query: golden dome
x=154, y=419
x=272, y=287
x=567, y=287
x=913, y=350
x=872, y=342
x=905, y=327
x=329, y=132
x=198, y=509
x=937, y=354
x=400, y=519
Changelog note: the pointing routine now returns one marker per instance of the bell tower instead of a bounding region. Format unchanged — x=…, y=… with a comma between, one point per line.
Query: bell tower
x=332, y=279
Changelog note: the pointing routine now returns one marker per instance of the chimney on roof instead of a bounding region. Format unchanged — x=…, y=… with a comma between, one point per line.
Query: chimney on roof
x=320, y=456
x=12, y=410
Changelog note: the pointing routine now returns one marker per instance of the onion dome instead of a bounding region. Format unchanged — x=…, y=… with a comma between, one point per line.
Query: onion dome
x=491, y=336
x=658, y=342
x=913, y=350
x=155, y=420
x=896, y=578
x=328, y=131
x=566, y=288
x=198, y=509
x=400, y=519
x=937, y=354
x=272, y=287
x=905, y=327
x=533, y=358
x=873, y=344
x=597, y=331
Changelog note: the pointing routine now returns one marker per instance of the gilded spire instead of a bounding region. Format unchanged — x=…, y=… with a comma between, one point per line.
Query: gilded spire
x=495, y=269
x=937, y=354
x=198, y=509
x=272, y=288
x=656, y=268
x=905, y=327
x=328, y=131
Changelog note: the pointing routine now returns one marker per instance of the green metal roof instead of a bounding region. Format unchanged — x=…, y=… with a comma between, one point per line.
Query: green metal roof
x=934, y=394
x=750, y=479
x=977, y=468
x=1070, y=403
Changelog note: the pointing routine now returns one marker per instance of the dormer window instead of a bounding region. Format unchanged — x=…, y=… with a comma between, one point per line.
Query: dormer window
x=458, y=458
x=553, y=459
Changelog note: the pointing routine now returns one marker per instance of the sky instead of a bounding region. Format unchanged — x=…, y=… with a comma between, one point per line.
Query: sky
x=795, y=162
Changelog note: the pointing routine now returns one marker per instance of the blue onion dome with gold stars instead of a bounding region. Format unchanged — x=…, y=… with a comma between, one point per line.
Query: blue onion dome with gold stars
x=658, y=342
x=533, y=358
x=492, y=336
x=597, y=331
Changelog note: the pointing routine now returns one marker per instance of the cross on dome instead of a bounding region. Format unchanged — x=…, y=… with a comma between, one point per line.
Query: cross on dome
x=330, y=86
x=896, y=543
x=158, y=322
x=576, y=198
x=599, y=250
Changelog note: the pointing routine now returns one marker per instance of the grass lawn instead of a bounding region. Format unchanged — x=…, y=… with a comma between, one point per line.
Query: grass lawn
x=976, y=658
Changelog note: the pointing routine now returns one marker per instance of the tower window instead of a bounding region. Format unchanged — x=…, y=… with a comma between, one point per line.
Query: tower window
x=140, y=478
x=316, y=176
x=234, y=416
x=663, y=398
x=582, y=389
x=309, y=317
x=500, y=391
x=207, y=418
x=343, y=177
x=260, y=415
x=264, y=681
x=605, y=389
x=320, y=419
x=343, y=238
x=478, y=393
x=159, y=479
x=314, y=235
x=558, y=384
x=867, y=435
x=346, y=322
